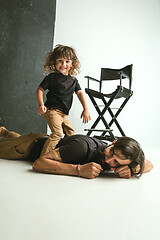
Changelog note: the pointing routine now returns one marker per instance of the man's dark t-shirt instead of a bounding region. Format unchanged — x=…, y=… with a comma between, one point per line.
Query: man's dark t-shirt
x=61, y=89
x=76, y=149
x=80, y=149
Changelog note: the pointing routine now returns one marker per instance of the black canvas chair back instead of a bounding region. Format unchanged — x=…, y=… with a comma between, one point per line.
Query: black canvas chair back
x=104, y=101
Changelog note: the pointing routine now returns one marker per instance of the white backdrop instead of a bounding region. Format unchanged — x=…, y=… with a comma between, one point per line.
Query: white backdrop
x=115, y=33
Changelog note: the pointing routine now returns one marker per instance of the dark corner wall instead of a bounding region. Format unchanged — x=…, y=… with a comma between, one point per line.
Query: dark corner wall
x=26, y=35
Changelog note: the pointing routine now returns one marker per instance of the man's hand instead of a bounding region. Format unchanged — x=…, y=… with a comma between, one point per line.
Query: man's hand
x=90, y=170
x=123, y=171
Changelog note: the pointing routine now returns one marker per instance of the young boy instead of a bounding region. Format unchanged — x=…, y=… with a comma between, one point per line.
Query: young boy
x=62, y=65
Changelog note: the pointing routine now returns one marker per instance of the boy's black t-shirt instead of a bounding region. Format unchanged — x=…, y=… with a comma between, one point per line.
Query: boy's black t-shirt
x=61, y=89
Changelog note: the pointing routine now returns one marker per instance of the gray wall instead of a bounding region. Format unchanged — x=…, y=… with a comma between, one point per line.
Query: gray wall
x=27, y=30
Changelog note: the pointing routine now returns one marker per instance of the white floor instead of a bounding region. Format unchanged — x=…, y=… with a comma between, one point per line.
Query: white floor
x=36, y=206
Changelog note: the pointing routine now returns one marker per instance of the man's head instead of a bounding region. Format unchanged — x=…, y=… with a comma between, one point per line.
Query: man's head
x=125, y=151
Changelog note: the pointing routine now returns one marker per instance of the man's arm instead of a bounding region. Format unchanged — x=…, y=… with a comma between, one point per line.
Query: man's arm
x=147, y=166
x=124, y=171
x=52, y=163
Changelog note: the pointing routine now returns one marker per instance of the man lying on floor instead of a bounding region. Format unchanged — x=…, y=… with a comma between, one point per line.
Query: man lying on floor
x=77, y=155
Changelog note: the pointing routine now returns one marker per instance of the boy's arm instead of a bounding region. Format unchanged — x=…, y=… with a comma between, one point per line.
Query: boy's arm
x=39, y=95
x=85, y=114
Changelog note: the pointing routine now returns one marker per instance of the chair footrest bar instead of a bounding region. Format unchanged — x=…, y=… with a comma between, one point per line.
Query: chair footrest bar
x=99, y=130
x=105, y=138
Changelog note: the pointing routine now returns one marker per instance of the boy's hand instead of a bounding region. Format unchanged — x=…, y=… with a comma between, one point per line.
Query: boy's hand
x=41, y=109
x=86, y=116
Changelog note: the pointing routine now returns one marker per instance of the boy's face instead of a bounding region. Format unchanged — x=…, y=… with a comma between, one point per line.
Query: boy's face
x=63, y=65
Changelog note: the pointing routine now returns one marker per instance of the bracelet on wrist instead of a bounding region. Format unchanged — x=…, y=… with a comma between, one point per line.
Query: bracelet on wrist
x=78, y=170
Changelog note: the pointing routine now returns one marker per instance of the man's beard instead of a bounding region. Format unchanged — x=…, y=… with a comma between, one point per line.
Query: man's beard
x=106, y=167
x=100, y=159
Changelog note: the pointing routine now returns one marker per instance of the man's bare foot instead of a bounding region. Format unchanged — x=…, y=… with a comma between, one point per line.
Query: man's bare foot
x=3, y=132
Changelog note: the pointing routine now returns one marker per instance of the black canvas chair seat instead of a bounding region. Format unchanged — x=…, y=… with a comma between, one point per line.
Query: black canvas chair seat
x=119, y=92
x=108, y=99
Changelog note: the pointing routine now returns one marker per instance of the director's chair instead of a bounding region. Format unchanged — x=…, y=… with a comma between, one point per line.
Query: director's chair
x=108, y=99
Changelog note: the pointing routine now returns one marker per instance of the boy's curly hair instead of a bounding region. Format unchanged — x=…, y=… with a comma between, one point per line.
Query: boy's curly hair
x=61, y=51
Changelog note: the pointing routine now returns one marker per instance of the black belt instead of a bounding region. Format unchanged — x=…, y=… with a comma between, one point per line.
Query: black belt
x=35, y=148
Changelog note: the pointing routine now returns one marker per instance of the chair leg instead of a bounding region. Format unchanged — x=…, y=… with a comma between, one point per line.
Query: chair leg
x=106, y=108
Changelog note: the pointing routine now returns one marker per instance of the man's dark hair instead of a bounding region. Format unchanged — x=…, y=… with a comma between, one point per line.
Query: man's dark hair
x=132, y=150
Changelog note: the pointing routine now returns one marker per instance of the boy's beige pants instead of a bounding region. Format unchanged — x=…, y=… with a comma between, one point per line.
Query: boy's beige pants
x=59, y=124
